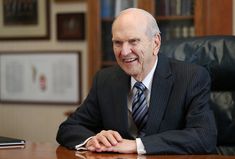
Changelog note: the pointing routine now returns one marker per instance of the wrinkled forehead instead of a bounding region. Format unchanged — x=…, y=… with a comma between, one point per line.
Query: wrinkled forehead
x=130, y=21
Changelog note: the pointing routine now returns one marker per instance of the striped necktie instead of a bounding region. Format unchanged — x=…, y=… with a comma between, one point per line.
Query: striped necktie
x=139, y=108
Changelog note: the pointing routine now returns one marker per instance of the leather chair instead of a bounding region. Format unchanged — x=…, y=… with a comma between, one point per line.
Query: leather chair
x=217, y=55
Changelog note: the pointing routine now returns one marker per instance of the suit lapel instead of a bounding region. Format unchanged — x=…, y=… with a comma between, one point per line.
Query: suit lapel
x=160, y=92
x=120, y=92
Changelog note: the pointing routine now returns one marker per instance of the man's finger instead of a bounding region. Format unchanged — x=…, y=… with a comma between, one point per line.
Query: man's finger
x=103, y=139
x=113, y=137
x=117, y=136
x=93, y=143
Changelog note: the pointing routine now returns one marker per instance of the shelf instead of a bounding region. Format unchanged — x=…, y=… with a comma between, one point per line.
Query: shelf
x=107, y=19
x=166, y=18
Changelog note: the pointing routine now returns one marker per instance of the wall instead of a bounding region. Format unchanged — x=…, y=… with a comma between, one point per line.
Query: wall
x=40, y=122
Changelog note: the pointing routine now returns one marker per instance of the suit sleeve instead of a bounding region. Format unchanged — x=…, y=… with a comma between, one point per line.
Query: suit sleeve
x=199, y=133
x=83, y=123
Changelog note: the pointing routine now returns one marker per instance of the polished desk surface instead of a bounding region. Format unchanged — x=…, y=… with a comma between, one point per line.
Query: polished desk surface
x=50, y=151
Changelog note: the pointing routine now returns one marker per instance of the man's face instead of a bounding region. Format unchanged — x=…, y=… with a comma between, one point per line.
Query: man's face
x=135, y=52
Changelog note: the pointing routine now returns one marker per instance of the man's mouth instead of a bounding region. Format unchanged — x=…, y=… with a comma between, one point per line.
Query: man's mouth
x=129, y=60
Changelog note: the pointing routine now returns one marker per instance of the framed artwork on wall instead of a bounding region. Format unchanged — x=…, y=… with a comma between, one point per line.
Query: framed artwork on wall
x=71, y=26
x=22, y=20
x=40, y=77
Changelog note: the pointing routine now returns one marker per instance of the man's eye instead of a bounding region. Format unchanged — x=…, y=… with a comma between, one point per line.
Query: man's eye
x=134, y=41
x=117, y=43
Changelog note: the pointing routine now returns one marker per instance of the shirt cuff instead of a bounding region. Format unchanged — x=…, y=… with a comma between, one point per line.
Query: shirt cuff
x=82, y=145
x=140, y=146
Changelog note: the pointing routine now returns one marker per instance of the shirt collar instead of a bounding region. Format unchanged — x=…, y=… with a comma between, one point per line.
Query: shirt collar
x=148, y=79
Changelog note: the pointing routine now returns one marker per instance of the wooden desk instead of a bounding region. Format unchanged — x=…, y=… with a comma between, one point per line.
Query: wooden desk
x=50, y=151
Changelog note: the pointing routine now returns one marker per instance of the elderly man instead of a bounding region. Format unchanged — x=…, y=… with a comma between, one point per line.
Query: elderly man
x=149, y=104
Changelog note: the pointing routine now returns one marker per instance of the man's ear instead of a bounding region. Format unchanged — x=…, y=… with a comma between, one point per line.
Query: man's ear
x=157, y=43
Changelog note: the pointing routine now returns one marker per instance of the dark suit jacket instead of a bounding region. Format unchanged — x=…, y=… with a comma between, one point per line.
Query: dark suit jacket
x=180, y=120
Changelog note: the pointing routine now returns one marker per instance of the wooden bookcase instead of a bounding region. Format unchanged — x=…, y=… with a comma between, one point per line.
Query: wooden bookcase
x=209, y=17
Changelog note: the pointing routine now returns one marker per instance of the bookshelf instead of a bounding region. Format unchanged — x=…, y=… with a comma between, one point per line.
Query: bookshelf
x=204, y=17
x=175, y=18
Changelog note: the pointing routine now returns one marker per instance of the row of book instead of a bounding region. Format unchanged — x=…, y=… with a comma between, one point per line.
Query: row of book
x=174, y=7
x=111, y=8
x=177, y=32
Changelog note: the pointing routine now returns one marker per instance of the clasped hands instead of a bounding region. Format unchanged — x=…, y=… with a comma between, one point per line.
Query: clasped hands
x=111, y=141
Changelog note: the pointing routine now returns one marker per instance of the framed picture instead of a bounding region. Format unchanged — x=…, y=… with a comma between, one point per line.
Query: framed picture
x=70, y=26
x=40, y=77
x=22, y=20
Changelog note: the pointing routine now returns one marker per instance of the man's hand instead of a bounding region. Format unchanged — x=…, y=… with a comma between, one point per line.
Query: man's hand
x=111, y=141
x=125, y=146
x=103, y=141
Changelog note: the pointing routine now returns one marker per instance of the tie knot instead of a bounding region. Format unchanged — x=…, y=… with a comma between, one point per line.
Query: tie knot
x=140, y=86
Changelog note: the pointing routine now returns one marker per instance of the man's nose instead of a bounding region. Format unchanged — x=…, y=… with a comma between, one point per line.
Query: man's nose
x=126, y=49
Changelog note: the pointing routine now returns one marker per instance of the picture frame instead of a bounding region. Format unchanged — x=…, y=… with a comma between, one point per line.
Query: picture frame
x=40, y=77
x=71, y=26
x=24, y=20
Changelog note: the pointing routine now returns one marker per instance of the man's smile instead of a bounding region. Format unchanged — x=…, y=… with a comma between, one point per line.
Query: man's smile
x=129, y=60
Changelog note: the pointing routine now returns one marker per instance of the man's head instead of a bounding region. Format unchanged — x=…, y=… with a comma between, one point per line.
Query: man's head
x=136, y=42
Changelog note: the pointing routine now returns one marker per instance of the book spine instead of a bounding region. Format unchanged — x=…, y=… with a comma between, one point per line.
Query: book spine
x=107, y=8
x=124, y=4
x=178, y=7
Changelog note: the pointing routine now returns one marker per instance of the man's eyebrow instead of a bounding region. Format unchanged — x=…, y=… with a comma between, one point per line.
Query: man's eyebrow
x=134, y=39
x=129, y=40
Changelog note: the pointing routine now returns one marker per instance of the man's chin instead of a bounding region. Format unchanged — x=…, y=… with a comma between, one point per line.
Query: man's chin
x=131, y=72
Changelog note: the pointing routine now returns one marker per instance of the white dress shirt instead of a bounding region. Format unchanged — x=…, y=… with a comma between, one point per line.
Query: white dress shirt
x=148, y=84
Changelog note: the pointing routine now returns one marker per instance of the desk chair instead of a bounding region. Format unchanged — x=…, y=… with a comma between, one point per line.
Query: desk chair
x=217, y=55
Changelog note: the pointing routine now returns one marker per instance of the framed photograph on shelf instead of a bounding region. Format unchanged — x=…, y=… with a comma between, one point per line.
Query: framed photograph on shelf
x=71, y=26
x=22, y=20
x=40, y=77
